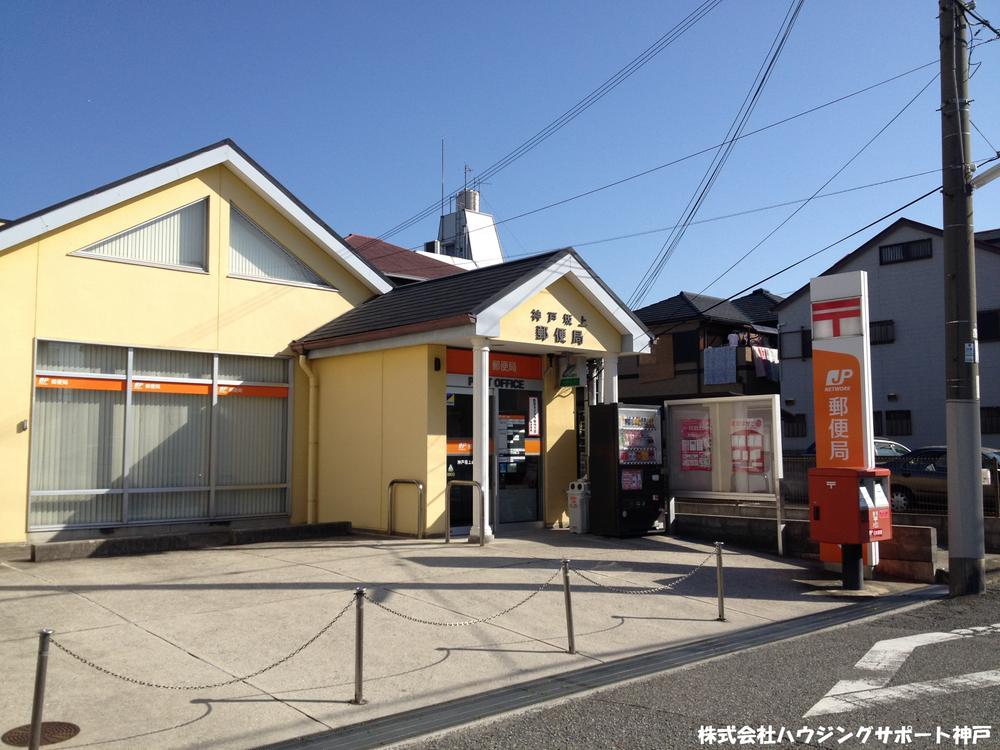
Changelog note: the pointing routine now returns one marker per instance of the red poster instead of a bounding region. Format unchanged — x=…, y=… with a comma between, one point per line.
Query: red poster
x=696, y=445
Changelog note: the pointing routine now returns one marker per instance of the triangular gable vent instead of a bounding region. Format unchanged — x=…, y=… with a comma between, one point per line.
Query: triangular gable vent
x=174, y=239
x=253, y=254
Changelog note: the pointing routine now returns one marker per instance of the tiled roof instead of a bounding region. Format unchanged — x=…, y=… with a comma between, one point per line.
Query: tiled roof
x=449, y=301
x=691, y=306
x=393, y=260
x=759, y=305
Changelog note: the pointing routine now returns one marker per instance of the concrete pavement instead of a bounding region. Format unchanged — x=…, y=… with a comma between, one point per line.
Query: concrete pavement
x=205, y=616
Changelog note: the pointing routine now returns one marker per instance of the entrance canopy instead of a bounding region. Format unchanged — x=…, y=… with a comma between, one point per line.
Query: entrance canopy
x=550, y=303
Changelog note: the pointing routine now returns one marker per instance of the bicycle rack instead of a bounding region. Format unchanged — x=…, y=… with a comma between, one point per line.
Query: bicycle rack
x=447, y=507
x=421, y=507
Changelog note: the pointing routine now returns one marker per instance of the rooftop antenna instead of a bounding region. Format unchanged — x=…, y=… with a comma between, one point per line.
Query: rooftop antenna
x=442, y=176
x=468, y=170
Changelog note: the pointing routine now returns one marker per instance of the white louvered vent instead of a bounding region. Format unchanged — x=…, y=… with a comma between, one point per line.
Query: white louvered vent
x=253, y=254
x=176, y=239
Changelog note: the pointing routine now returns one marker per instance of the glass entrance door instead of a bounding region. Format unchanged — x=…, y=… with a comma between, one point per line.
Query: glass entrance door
x=515, y=456
x=517, y=444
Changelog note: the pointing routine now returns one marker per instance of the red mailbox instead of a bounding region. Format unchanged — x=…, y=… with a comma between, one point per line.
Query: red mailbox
x=849, y=506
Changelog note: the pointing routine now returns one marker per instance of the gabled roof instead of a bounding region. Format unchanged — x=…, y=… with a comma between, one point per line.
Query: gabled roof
x=759, y=305
x=874, y=243
x=479, y=297
x=226, y=153
x=393, y=260
x=691, y=306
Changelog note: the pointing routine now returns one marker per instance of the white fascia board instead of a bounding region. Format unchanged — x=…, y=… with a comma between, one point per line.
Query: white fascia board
x=634, y=337
x=81, y=209
x=285, y=205
x=224, y=154
x=456, y=336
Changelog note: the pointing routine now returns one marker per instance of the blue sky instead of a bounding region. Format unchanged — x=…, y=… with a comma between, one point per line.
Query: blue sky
x=346, y=104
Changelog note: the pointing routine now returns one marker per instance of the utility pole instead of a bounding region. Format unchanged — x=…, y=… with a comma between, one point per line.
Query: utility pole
x=966, y=554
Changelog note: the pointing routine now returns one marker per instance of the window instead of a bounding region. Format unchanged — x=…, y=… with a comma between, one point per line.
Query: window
x=904, y=251
x=793, y=425
x=175, y=240
x=877, y=425
x=989, y=420
x=882, y=331
x=253, y=254
x=807, y=343
x=124, y=436
x=989, y=325
x=686, y=346
x=897, y=422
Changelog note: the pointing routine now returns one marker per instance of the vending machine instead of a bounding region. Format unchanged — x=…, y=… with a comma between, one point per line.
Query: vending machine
x=627, y=487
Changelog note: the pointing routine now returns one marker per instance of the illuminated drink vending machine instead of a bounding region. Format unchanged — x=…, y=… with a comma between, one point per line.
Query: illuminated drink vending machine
x=626, y=469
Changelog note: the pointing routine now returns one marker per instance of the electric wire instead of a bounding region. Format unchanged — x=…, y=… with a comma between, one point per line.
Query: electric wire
x=720, y=159
x=709, y=149
x=810, y=256
x=733, y=215
x=832, y=177
x=692, y=155
x=981, y=133
x=577, y=109
x=982, y=21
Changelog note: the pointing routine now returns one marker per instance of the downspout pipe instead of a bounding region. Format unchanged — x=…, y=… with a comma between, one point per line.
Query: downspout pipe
x=312, y=454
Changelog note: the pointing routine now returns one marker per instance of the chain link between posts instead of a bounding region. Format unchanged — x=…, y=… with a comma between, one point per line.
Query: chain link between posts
x=651, y=590
x=463, y=623
x=234, y=680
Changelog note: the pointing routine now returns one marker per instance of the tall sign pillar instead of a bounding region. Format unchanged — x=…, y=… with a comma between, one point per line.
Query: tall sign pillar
x=842, y=395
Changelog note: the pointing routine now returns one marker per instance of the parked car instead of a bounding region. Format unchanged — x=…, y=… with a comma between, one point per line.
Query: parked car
x=919, y=480
x=795, y=485
x=885, y=450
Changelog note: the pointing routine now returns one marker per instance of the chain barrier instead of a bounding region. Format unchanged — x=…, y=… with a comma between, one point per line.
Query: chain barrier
x=651, y=590
x=463, y=623
x=206, y=686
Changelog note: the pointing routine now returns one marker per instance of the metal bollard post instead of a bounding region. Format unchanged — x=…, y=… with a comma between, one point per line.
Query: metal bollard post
x=571, y=640
x=37, y=702
x=718, y=580
x=359, y=646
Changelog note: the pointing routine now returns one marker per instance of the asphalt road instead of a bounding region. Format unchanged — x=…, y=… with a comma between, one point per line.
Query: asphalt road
x=778, y=684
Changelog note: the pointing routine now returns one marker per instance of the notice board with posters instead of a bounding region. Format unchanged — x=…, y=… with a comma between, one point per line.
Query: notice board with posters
x=724, y=448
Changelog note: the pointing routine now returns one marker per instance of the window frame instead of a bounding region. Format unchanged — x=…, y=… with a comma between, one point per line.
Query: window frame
x=125, y=490
x=894, y=422
x=906, y=248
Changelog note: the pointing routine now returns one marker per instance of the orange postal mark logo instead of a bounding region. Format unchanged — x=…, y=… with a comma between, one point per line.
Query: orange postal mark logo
x=837, y=399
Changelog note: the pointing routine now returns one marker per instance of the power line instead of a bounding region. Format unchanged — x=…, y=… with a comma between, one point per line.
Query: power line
x=970, y=9
x=695, y=154
x=721, y=157
x=834, y=176
x=577, y=109
x=988, y=143
x=733, y=215
x=812, y=255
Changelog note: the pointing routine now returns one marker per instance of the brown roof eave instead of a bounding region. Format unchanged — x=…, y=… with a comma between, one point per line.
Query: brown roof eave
x=300, y=347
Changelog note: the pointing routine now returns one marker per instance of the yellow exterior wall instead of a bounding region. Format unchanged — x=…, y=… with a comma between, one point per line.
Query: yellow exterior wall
x=17, y=289
x=560, y=447
x=382, y=417
x=57, y=295
x=560, y=298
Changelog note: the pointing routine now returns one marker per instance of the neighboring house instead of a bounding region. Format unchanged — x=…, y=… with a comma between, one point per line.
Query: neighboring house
x=399, y=265
x=467, y=237
x=905, y=269
x=685, y=326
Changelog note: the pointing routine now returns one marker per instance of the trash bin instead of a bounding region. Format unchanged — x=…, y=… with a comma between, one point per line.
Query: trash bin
x=578, y=500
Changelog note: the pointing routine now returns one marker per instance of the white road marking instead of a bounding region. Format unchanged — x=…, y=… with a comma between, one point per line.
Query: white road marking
x=883, y=660
x=836, y=704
